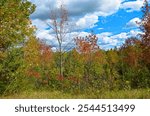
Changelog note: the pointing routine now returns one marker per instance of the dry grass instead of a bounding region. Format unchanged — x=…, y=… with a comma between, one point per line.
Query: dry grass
x=45, y=94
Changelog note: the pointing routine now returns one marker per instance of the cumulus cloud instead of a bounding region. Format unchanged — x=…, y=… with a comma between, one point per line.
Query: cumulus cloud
x=122, y=35
x=77, y=8
x=104, y=34
x=42, y=8
x=40, y=25
x=45, y=34
x=83, y=13
x=134, y=33
x=108, y=7
x=68, y=42
x=133, y=23
x=107, y=40
x=87, y=21
x=132, y=5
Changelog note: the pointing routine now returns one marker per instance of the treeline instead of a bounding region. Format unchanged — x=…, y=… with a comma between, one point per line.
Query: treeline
x=28, y=63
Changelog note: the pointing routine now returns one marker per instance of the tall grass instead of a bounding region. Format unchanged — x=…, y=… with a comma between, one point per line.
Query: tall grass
x=45, y=94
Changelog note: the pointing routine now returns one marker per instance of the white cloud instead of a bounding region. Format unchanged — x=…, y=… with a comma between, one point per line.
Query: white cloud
x=83, y=13
x=87, y=21
x=99, y=7
x=100, y=28
x=132, y=5
x=42, y=8
x=77, y=8
x=122, y=35
x=45, y=35
x=68, y=42
x=104, y=34
x=107, y=40
x=134, y=33
x=133, y=23
x=41, y=25
x=108, y=7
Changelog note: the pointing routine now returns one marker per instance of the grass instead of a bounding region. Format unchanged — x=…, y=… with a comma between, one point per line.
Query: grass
x=45, y=94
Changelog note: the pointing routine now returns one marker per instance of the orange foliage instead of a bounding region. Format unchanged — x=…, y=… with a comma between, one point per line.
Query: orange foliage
x=86, y=45
x=132, y=51
x=74, y=79
x=32, y=73
x=145, y=27
x=45, y=53
x=60, y=78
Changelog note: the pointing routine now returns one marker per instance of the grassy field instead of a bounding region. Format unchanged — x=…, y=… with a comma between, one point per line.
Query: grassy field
x=127, y=94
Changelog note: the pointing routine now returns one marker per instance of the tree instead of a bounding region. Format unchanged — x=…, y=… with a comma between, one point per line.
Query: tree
x=59, y=24
x=38, y=60
x=14, y=30
x=131, y=62
x=87, y=46
x=46, y=62
x=145, y=27
x=32, y=52
x=15, y=22
x=132, y=52
x=111, y=68
x=46, y=54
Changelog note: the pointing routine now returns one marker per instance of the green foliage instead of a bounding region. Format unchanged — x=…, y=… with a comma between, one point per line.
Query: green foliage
x=140, y=79
x=14, y=20
x=12, y=70
x=15, y=28
x=73, y=66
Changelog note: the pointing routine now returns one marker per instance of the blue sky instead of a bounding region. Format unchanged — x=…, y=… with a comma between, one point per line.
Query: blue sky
x=112, y=20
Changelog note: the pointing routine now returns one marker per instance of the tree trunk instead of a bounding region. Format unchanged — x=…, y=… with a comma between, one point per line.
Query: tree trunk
x=61, y=62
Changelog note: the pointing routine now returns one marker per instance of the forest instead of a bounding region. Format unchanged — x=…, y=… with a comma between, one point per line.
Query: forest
x=29, y=68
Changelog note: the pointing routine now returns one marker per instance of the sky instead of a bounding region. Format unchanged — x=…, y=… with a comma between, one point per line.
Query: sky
x=113, y=21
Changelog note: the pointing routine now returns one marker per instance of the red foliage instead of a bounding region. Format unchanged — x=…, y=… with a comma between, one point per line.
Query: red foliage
x=132, y=52
x=86, y=45
x=74, y=79
x=145, y=27
x=46, y=53
x=60, y=78
x=32, y=73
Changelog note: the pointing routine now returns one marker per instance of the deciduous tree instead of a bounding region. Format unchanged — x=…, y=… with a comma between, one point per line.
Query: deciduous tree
x=59, y=24
x=15, y=28
x=87, y=46
x=145, y=27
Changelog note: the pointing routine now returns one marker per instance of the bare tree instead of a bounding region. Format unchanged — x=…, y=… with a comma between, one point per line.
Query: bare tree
x=59, y=24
